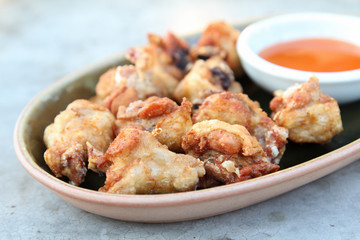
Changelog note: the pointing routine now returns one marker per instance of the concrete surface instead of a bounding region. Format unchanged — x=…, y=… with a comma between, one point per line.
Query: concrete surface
x=41, y=41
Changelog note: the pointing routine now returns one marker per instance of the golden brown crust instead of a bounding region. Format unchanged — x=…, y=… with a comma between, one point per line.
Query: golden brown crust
x=310, y=115
x=125, y=84
x=138, y=164
x=170, y=129
x=230, y=154
x=106, y=83
x=149, y=62
x=205, y=78
x=219, y=39
x=158, y=68
x=164, y=61
x=120, y=96
x=240, y=109
x=161, y=116
x=177, y=49
x=221, y=137
x=66, y=138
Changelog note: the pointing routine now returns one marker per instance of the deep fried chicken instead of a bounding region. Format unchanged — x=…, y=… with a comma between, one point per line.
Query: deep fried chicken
x=205, y=78
x=158, y=68
x=219, y=39
x=310, y=115
x=240, y=109
x=161, y=116
x=164, y=61
x=66, y=138
x=136, y=163
x=230, y=154
x=124, y=84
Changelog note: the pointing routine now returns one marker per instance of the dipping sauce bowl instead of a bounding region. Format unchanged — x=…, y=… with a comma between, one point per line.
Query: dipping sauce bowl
x=344, y=86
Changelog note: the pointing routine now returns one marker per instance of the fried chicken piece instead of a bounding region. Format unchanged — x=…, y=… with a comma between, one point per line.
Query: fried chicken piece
x=118, y=80
x=124, y=84
x=136, y=163
x=106, y=83
x=240, y=109
x=160, y=64
x=177, y=49
x=162, y=116
x=164, y=61
x=66, y=138
x=230, y=154
x=219, y=39
x=205, y=78
x=310, y=115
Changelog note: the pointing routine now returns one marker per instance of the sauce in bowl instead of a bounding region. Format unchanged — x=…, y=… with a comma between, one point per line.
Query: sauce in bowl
x=314, y=54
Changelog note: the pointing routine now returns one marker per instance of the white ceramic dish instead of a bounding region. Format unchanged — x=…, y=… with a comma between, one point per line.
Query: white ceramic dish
x=343, y=86
x=300, y=165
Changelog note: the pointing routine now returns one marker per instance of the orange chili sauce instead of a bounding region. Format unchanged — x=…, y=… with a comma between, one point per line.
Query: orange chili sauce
x=314, y=54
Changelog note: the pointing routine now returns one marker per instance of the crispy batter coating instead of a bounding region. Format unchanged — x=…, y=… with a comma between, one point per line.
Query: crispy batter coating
x=240, y=109
x=177, y=49
x=205, y=78
x=169, y=53
x=136, y=163
x=158, y=68
x=66, y=138
x=124, y=84
x=106, y=83
x=219, y=39
x=163, y=117
x=230, y=154
x=164, y=61
x=310, y=115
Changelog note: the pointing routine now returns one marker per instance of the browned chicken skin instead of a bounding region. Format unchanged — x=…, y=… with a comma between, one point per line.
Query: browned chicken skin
x=124, y=84
x=205, y=78
x=230, y=154
x=136, y=163
x=310, y=115
x=158, y=68
x=177, y=49
x=161, y=116
x=240, y=109
x=163, y=61
x=66, y=138
x=219, y=39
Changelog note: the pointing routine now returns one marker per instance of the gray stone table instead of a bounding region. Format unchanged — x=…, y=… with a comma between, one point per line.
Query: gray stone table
x=43, y=40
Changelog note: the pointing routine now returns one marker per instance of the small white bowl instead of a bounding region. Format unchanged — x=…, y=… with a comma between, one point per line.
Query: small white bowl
x=343, y=86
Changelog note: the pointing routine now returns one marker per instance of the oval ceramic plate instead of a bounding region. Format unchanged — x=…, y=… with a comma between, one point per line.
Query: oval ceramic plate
x=301, y=164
